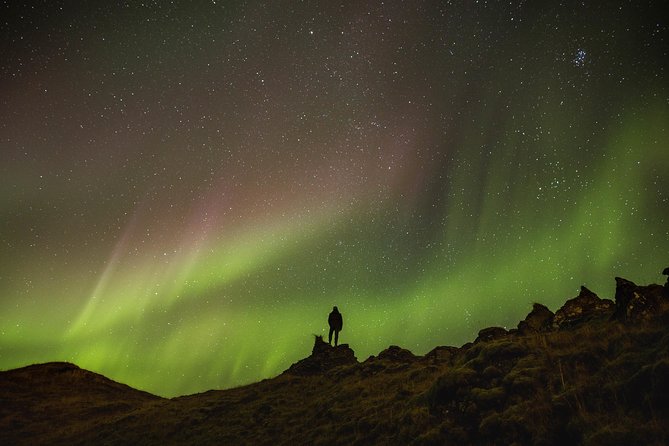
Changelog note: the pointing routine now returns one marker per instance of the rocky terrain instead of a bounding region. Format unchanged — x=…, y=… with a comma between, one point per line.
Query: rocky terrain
x=595, y=372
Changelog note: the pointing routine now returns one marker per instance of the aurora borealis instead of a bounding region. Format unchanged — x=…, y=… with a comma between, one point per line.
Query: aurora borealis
x=188, y=188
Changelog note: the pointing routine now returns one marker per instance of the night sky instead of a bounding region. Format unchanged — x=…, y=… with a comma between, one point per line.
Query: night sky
x=187, y=188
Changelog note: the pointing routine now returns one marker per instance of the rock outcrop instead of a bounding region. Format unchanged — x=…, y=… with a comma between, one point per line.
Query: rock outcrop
x=491, y=333
x=636, y=303
x=508, y=387
x=441, y=354
x=323, y=357
x=624, y=294
x=540, y=319
x=584, y=307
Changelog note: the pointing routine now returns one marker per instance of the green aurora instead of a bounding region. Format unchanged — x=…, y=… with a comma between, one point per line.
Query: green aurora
x=431, y=171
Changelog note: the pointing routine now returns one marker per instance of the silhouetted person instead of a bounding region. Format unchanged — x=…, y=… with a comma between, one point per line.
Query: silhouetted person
x=666, y=285
x=336, y=324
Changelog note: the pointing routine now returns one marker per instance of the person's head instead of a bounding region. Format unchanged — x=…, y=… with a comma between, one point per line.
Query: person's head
x=335, y=309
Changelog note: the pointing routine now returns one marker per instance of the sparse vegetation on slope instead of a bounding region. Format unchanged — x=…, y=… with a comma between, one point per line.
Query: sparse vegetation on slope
x=594, y=373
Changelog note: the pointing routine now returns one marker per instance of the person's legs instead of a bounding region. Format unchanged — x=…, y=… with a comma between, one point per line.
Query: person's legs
x=330, y=337
x=336, y=337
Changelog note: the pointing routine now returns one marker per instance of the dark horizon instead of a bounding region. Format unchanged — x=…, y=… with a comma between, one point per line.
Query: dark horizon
x=592, y=372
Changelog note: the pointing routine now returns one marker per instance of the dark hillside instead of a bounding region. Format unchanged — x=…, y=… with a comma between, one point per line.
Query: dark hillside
x=595, y=372
x=48, y=403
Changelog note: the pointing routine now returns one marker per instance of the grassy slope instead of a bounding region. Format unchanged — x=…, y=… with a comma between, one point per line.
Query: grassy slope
x=47, y=403
x=600, y=383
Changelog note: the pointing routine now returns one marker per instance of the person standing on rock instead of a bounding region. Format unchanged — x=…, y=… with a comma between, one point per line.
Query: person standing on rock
x=336, y=324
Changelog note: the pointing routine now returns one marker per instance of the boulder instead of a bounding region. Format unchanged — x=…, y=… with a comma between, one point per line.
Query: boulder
x=584, y=307
x=636, y=303
x=540, y=319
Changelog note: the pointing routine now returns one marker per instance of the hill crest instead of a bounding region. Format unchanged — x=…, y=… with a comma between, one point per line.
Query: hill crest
x=594, y=372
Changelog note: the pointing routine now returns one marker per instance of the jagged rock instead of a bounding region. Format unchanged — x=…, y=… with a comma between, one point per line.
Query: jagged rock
x=641, y=306
x=639, y=303
x=491, y=333
x=323, y=358
x=510, y=390
x=587, y=305
x=624, y=293
x=540, y=319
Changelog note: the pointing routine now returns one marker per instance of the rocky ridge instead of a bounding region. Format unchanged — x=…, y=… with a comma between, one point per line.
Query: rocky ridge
x=594, y=372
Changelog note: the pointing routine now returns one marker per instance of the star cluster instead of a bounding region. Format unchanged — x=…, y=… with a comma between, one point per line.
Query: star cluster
x=188, y=188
